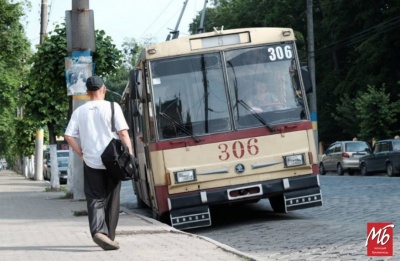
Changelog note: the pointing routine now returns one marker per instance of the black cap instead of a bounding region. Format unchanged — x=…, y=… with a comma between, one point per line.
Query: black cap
x=94, y=83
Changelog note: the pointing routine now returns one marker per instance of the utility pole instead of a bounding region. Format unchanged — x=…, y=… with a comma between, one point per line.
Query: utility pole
x=80, y=42
x=43, y=21
x=39, y=133
x=311, y=64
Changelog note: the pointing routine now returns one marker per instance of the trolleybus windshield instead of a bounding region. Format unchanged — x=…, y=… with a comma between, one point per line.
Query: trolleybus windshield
x=223, y=91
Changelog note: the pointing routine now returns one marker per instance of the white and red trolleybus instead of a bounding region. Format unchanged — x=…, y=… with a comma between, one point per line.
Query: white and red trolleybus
x=199, y=135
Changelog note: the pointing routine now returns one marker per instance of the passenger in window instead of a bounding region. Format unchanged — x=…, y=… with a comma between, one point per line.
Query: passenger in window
x=263, y=99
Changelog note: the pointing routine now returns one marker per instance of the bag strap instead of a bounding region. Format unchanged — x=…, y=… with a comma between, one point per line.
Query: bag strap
x=112, y=117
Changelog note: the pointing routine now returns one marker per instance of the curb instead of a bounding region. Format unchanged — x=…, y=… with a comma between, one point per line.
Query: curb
x=164, y=228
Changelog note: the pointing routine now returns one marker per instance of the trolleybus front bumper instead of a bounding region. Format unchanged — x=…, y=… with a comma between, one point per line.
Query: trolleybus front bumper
x=191, y=210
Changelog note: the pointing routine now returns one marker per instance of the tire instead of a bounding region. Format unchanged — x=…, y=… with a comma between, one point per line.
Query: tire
x=363, y=170
x=322, y=170
x=164, y=218
x=339, y=169
x=278, y=204
x=351, y=172
x=390, y=169
x=140, y=202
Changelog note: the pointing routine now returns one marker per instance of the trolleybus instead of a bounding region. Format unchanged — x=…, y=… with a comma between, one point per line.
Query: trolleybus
x=200, y=137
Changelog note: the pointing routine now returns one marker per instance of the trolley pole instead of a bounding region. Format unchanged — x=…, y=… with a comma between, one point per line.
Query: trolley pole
x=80, y=42
x=311, y=64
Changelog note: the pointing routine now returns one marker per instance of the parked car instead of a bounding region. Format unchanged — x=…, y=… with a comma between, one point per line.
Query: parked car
x=62, y=169
x=61, y=154
x=384, y=158
x=343, y=156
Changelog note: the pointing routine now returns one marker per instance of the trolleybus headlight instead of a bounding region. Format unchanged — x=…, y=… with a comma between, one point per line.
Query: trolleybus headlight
x=294, y=160
x=185, y=176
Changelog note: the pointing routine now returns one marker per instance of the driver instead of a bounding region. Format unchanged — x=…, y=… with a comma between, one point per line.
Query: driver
x=263, y=99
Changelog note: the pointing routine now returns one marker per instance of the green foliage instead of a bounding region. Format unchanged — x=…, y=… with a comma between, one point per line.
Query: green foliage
x=116, y=82
x=376, y=113
x=346, y=116
x=107, y=57
x=14, y=48
x=356, y=46
x=26, y=134
x=131, y=51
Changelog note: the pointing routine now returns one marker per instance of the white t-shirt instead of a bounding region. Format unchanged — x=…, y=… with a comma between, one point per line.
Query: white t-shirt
x=91, y=123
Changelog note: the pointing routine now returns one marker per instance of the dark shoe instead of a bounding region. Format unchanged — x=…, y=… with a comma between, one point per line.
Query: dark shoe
x=104, y=242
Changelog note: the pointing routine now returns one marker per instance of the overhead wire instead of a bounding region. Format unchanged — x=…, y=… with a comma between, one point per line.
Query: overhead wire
x=158, y=16
x=49, y=14
x=169, y=20
x=385, y=26
x=363, y=35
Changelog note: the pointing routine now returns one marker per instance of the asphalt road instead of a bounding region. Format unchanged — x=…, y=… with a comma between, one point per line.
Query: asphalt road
x=335, y=231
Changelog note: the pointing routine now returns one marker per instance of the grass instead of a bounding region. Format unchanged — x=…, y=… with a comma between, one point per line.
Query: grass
x=60, y=189
x=79, y=213
x=68, y=195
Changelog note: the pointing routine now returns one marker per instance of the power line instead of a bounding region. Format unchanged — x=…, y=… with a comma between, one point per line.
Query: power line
x=363, y=35
x=49, y=14
x=156, y=18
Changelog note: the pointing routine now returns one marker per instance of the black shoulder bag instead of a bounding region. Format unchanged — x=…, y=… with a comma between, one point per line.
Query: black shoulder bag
x=120, y=164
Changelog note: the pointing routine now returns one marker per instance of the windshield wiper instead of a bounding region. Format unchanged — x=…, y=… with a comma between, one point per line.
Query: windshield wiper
x=255, y=114
x=180, y=126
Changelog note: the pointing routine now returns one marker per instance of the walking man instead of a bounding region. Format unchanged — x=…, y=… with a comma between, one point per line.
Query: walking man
x=91, y=124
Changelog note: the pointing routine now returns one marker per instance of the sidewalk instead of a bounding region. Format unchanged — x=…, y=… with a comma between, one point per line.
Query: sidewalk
x=39, y=225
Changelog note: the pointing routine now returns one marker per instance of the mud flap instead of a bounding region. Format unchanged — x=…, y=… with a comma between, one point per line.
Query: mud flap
x=187, y=218
x=303, y=199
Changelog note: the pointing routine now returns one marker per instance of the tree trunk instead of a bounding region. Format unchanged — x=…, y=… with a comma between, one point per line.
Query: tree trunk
x=54, y=179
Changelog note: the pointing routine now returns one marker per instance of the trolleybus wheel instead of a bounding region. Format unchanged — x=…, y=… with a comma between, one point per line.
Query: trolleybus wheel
x=164, y=218
x=140, y=202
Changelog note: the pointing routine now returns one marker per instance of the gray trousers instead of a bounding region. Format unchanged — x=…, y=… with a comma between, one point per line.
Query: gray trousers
x=103, y=200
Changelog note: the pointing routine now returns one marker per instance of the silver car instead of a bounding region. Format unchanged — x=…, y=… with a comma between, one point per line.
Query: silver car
x=62, y=170
x=343, y=156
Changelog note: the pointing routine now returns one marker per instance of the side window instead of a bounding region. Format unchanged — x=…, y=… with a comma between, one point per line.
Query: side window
x=396, y=145
x=338, y=148
x=385, y=147
x=381, y=147
x=378, y=147
x=329, y=150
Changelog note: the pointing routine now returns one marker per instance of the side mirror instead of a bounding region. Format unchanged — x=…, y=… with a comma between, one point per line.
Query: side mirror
x=305, y=74
x=134, y=85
